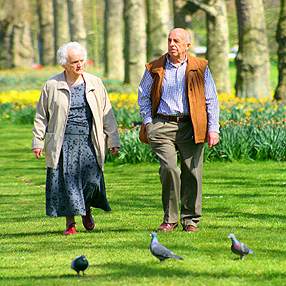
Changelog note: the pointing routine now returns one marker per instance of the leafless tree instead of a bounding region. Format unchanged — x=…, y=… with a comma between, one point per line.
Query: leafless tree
x=46, y=32
x=158, y=27
x=252, y=60
x=135, y=41
x=113, y=36
x=217, y=41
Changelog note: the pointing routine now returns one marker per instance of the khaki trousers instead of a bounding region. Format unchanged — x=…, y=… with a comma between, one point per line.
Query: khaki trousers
x=166, y=138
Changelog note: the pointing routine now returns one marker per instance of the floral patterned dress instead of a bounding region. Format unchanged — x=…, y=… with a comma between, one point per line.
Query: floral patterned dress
x=78, y=180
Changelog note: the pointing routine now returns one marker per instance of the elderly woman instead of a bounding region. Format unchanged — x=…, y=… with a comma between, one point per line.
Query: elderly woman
x=75, y=117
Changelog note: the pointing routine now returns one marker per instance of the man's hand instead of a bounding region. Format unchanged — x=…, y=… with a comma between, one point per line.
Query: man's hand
x=38, y=152
x=213, y=138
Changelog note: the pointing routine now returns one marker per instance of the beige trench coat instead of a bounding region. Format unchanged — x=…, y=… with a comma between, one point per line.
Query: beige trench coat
x=52, y=114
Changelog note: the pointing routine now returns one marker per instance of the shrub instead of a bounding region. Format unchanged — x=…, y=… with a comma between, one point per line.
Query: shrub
x=250, y=128
x=132, y=150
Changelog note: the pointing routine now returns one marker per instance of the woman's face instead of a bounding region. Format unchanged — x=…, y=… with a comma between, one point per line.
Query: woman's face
x=75, y=63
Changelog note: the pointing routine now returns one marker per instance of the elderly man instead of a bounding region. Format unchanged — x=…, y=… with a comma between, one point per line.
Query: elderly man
x=180, y=111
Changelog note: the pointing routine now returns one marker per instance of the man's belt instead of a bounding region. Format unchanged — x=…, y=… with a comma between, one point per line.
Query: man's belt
x=174, y=118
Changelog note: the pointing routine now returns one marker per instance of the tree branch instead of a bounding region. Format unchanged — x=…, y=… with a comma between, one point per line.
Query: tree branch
x=208, y=8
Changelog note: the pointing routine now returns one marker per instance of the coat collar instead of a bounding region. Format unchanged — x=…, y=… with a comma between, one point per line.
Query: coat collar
x=192, y=64
x=159, y=66
x=62, y=84
x=61, y=81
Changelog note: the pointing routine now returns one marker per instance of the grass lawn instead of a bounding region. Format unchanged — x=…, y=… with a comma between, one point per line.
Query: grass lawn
x=246, y=198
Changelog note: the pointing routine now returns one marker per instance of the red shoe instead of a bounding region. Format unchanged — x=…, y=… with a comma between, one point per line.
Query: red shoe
x=88, y=221
x=70, y=229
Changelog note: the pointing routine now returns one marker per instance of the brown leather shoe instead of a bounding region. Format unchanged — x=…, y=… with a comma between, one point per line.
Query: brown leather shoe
x=166, y=226
x=191, y=228
x=88, y=221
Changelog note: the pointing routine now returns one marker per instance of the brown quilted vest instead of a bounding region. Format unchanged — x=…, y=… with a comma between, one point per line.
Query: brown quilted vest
x=195, y=92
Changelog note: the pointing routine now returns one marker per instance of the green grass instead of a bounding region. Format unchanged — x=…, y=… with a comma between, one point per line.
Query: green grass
x=246, y=198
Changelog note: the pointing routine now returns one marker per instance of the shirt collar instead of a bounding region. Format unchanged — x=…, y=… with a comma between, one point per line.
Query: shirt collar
x=168, y=61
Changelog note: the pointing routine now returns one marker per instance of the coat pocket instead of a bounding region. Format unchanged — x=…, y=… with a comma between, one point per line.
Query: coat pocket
x=49, y=143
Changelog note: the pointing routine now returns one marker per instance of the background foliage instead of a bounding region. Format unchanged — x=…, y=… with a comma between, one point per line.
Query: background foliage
x=199, y=25
x=198, y=22
x=250, y=128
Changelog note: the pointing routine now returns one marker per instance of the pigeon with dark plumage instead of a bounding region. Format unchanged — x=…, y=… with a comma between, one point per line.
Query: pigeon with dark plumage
x=79, y=264
x=160, y=251
x=239, y=247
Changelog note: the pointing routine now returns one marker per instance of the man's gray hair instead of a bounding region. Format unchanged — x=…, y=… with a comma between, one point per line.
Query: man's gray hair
x=62, y=54
x=188, y=38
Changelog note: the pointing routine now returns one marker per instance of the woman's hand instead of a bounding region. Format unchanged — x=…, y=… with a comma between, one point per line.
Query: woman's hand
x=38, y=152
x=115, y=150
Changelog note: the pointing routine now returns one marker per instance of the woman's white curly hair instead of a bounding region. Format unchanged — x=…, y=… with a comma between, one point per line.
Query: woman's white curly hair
x=62, y=54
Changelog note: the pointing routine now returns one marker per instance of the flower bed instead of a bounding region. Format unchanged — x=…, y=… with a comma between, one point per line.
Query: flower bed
x=250, y=128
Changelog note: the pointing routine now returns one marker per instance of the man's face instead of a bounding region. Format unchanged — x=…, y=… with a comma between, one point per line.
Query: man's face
x=75, y=63
x=177, y=44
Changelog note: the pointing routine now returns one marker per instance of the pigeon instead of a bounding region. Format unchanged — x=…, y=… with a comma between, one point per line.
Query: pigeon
x=79, y=264
x=238, y=247
x=160, y=251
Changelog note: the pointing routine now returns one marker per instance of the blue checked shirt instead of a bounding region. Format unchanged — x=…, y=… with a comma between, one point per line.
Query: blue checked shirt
x=173, y=100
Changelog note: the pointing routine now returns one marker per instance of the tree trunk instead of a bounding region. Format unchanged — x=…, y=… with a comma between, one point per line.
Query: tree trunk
x=218, y=46
x=252, y=60
x=61, y=32
x=76, y=23
x=22, y=54
x=21, y=46
x=95, y=34
x=280, y=93
x=217, y=43
x=5, y=56
x=158, y=16
x=46, y=34
x=135, y=41
x=15, y=30
x=183, y=19
x=114, y=63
